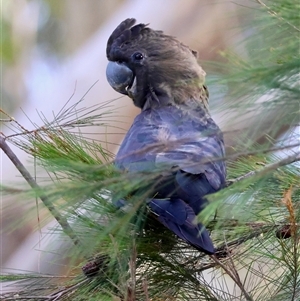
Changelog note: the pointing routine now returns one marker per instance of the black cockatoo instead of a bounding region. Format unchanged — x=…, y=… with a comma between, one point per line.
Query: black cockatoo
x=174, y=131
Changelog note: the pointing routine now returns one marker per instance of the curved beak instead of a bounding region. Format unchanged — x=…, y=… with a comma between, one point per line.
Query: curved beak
x=119, y=76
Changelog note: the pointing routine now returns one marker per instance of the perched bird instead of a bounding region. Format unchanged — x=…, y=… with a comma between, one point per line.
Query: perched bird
x=174, y=133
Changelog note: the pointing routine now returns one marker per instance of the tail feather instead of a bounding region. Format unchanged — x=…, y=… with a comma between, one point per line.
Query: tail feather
x=197, y=237
x=180, y=218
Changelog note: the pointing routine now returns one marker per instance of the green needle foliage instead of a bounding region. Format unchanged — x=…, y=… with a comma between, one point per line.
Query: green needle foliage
x=254, y=220
x=263, y=79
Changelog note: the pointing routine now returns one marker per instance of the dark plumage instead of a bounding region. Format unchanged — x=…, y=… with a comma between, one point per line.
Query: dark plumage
x=174, y=131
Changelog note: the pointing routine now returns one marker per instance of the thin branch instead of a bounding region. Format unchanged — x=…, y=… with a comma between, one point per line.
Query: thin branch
x=131, y=294
x=62, y=221
x=52, y=297
x=57, y=295
x=6, y=120
x=234, y=276
x=16, y=297
x=12, y=190
x=267, y=168
x=274, y=14
x=10, y=119
x=145, y=289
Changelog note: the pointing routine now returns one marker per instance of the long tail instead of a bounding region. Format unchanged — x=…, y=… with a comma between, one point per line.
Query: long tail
x=180, y=218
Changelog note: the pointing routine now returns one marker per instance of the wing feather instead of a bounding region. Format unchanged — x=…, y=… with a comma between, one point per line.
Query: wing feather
x=174, y=138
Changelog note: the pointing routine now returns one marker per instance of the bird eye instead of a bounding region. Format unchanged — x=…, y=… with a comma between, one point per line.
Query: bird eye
x=138, y=56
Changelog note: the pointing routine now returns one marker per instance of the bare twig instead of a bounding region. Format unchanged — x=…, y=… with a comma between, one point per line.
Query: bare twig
x=52, y=297
x=234, y=276
x=6, y=120
x=12, y=190
x=145, y=289
x=131, y=295
x=274, y=14
x=10, y=119
x=57, y=295
x=24, y=172
x=17, y=297
x=267, y=168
